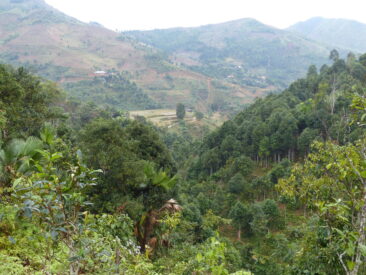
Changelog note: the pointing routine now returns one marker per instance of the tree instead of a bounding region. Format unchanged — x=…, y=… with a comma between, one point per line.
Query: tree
x=237, y=184
x=334, y=55
x=305, y=139
x=351, y=58
x=264, y=150
x=26, y=103
x=149, y=145
x=241, y=216
x=53, y=196
x=332, y=182
x=180, y=111
x=358, y=71
x=199, y=115
x=312, y=72
x=122, y=149
x=153, y=189
x=362, y=59
x=259, y=222
x=272, y=213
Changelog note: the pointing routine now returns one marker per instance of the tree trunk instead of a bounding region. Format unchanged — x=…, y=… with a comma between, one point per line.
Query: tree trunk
x=361, y=237
x=148, y=228
x=239, y=233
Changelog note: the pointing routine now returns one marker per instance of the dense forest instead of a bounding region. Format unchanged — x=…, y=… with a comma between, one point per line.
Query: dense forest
x=278, y=189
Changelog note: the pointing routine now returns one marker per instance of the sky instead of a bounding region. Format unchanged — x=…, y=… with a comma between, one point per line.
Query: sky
x=125, y=15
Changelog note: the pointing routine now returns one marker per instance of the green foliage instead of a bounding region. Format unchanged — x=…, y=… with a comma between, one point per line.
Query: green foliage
x=16, y=157
x=11, y=265
x=213, y=259
x=244, y=52
x=118, y=92
x=59, y=216
x=199, y=115
x=331, y=182
x=180, y=111
x=54, y=198
x=237, y=184
x=25, y=102
x=124, y=150
x=49, y=225
x=215, y=256
x=284, y=125
x=241, y=216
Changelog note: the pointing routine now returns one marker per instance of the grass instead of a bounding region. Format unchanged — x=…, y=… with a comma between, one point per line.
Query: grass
x=166, y=118
x=162, y=117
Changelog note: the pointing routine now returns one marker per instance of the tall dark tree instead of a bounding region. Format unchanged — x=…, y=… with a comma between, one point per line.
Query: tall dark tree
x=334, y=55
x=241, y=217
x=180, y=111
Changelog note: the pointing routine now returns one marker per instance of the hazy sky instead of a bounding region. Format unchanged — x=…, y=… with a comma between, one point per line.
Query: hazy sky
x=151, y=14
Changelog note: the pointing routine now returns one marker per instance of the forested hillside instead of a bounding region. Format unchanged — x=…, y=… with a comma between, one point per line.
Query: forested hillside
x=279, y=189
x=244, y=51
x=87, y=191
x=284, y=125
x=289, y=172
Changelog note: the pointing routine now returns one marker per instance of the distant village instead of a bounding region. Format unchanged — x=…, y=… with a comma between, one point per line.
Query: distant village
x=100, y=73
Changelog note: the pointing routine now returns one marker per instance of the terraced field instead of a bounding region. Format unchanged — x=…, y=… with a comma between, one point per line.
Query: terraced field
x=167, y=118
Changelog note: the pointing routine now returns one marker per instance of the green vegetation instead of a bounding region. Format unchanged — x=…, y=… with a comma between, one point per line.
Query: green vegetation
x=288, y=171
x=244, y=52
x=105, y=208
x=137, y=77
x=278, y=189
x=180, y=111
x=284, y=125
x=114, y=91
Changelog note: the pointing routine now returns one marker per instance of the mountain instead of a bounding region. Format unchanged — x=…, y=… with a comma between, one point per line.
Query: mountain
x=100, y=65
x=284, y=125
x=244, y=51
x=341, y=33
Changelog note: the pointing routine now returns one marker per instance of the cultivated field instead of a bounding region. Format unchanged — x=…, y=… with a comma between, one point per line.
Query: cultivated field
x=167, y=118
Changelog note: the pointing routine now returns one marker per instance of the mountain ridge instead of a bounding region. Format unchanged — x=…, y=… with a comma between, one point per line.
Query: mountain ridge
x=64, y=49
x=263, y=52
x=339, y=32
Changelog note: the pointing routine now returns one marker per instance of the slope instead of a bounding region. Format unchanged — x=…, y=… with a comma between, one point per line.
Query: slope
x=245, y=51
x=61, y=48
x=284, y=125
x=341, y=33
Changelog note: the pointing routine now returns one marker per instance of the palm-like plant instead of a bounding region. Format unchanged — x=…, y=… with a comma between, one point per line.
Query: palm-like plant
x=16, y=157
x=155, y=188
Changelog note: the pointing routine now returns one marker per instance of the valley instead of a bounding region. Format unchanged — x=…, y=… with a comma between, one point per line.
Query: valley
x=233, y=148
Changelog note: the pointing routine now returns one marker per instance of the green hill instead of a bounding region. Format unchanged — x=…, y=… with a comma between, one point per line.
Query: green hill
x=244, y=52
x=284, y=125
x=341, y=33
